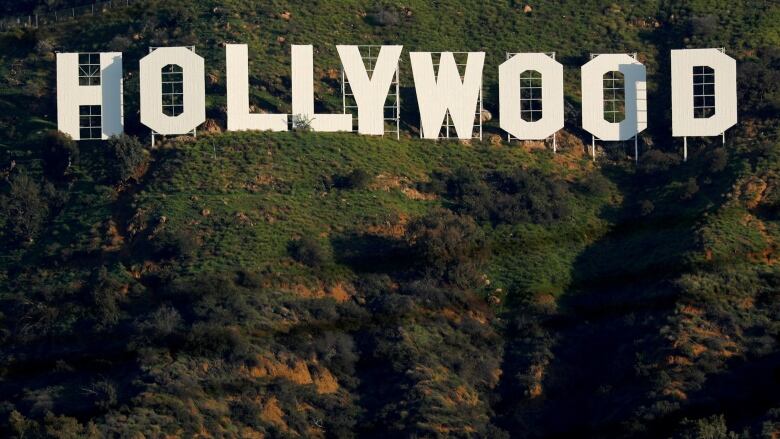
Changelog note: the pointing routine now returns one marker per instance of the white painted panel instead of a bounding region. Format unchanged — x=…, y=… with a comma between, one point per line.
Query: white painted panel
x=108, y=94
x=303, y=94
x=438, y=93
x=509, y=96
x=151, y=90
x=370, y=93
x=635, y=80
x=725, y=117
x=238, y=116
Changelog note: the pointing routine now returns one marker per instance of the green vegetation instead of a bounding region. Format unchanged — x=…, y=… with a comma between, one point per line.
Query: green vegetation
x=304, y=284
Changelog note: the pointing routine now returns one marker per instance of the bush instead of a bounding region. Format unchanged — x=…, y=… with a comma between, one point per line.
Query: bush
x=713, y=427
x=58, y=153
x=384, y=16
x=103, y=394
x=596, y=184
x=357, y=179
x=509, y=196
x=175, y=244
x=23, y=208
x=759, y=85
x=719, y=159
x=646, y=207
x=301, y=123
x=448, y=246
x=126, y=158
x=308, y=251
x=655, y=161
x=690, y=189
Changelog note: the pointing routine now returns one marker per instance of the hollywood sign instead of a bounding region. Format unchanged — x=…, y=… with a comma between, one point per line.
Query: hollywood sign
x=531, y=98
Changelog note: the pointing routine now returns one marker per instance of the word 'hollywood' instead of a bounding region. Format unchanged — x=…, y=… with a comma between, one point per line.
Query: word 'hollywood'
x=531, y=103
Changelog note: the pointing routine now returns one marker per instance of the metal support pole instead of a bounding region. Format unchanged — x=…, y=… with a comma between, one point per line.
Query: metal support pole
x=481, y=109
x=555, y=146
x=593, y=147
x=397, y=102
x=636, y=149
x=724, y=138
x=685, y=149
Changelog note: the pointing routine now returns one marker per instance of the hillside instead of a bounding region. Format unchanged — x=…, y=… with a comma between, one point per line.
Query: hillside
x=333, y=285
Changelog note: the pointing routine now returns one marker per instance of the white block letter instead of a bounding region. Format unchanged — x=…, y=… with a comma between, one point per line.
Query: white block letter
x=303, y=94
x=238, y=116
x=89, y=83
x=721, y=70
x=551, y=94
x=370, y=93
x=193, y=91
x=635, y=89
x=436, y=95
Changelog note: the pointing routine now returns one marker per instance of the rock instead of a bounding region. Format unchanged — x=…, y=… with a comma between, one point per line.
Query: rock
x=495, y=140
x=528, y=9
x=211, y=126
x=286, y=15
x=205, y=212
x=280, y=40
x=242, y=218
x=486, y=116
x=333, y=74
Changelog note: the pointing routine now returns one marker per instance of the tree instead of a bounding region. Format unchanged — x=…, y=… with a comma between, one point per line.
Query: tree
x=24, y=208
x=448, y=246
x=126, y=158
x=308, y=251
x=356, y=179
x=58, y=153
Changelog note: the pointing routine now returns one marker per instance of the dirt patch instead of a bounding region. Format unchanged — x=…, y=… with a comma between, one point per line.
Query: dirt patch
x=395, y=228
x=325, y=382
x=113, y=239
x=273, y=414
x=340, y=291
x=385, y=182
x=753, y=191
x=283, y=366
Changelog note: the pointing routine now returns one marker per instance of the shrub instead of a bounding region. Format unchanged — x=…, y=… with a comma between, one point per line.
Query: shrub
x=448, y=246
x=646, y=207
x=24, y=208
x=719, y=158
x=509, y=196
x=301, y=122
x=596, y=184
x=690, y=189
x=655, y=161
x=308, y=251
x=384, y=16
x=103, y=394
x=58, y=153
x=162, y=323
x=105, y=296
x=179, y=244
x=759, y=86
x=713, y=427
x=704, y=26
x=357, y=179
x=126, y=158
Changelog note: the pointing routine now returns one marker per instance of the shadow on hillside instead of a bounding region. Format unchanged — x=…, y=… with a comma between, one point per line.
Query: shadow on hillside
x=609, y=323
x=366, y=253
